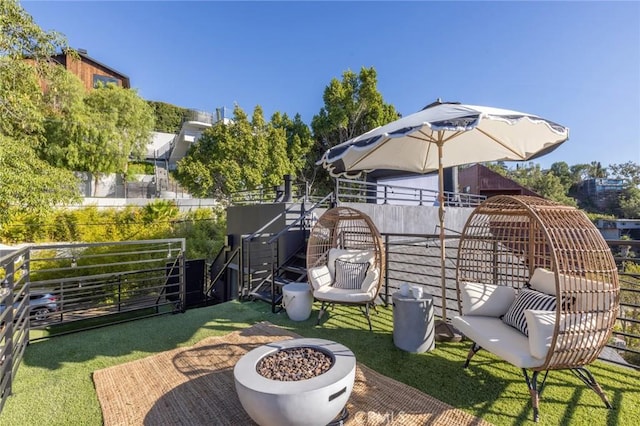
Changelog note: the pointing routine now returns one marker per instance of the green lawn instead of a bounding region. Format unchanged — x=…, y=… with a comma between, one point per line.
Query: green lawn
x=54, y=385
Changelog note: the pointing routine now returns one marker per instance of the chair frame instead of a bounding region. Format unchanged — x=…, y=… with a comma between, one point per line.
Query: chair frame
x=346, y=228
x=507, y=237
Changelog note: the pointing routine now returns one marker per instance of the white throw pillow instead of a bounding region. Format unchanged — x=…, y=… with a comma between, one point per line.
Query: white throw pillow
x=486, y=299
x=543, y=280
x=578, y=331
x=540, y=325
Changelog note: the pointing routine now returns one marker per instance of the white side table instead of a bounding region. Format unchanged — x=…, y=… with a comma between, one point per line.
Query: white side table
x=413, y=329
x=297, y=300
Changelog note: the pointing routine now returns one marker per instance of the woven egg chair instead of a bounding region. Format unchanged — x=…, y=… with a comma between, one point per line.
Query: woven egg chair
x=553, y=272
x=345, y=237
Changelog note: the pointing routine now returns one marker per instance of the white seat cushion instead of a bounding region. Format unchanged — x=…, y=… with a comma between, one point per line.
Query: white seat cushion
x=498, y=338
x=366, y=293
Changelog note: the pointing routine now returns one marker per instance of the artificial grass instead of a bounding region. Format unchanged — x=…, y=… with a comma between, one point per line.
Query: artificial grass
x=53, y=384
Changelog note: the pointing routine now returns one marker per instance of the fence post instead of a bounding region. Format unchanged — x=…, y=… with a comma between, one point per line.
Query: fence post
x=386, y=270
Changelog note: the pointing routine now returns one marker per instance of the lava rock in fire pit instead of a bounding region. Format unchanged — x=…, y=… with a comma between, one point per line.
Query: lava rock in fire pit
x=299, y=363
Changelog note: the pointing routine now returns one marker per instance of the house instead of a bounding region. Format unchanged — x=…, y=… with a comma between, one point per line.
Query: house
x=615, y=229
x=89, y=70
x=600, y=192
x=481, y=180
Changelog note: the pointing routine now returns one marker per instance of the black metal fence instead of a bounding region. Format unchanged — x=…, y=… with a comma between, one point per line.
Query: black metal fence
x=14, y=316
x=415, y=259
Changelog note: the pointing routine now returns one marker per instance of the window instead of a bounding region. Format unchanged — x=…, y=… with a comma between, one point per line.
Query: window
x=104, y=79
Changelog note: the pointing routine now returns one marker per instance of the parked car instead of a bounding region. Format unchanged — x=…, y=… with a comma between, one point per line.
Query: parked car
x=41, y=305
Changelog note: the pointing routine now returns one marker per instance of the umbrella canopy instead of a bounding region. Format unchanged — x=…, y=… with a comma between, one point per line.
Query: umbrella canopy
x=446, y=135
x=467, y=134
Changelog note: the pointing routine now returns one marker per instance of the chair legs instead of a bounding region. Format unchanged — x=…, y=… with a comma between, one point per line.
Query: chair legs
x=536, y=391
x=365, y=311
x=585, y=375
x=472, y=351
x=323, y=309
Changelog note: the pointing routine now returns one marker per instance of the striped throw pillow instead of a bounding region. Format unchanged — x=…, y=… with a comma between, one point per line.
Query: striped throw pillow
x=349, y=275
x=527, y=299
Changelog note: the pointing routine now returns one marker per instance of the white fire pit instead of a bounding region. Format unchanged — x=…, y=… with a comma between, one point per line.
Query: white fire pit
x=313, y=401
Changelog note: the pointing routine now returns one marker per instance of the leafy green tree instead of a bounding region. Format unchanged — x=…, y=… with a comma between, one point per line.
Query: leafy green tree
x=562, y=170
x=352, y=106
x=20, y=91
x=542, y=182
x=99, y=132
x=299, y=142
x=630, y=203
x=27, y=183
x=168, y=118
x=596, y=170
x=241, y=155
x=629, y=171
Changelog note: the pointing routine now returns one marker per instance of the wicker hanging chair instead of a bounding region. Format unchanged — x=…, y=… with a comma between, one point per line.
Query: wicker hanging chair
x=509, y=241
x=348, y=234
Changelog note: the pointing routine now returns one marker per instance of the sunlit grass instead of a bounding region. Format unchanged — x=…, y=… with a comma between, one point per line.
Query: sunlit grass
x=54, y=385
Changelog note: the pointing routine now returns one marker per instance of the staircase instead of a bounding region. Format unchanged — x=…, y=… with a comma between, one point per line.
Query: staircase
x=294, y=269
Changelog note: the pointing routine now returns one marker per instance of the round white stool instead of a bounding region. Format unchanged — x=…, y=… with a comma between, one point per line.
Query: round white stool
x=297, y=300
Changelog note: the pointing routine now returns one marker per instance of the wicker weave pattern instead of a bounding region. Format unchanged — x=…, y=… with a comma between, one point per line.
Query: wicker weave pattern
x=344, y=228
x=508, y=237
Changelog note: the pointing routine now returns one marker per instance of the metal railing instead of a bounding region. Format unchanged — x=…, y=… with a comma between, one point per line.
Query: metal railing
x=200, y=116
x=355, y=191
x=14, y=317
x=415, y=259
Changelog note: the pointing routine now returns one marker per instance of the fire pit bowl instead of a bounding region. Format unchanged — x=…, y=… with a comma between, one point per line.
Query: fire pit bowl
x=313, y=401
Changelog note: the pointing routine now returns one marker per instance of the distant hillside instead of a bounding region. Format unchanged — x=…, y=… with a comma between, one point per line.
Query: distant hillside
x=168, y=117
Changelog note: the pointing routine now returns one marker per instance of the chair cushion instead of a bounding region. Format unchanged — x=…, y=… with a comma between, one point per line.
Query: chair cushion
x=349, y=275
x=486, y=299
x=498, y=338
x=527, y=299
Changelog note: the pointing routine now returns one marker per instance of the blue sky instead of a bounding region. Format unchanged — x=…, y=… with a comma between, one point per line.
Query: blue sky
x=576, y=63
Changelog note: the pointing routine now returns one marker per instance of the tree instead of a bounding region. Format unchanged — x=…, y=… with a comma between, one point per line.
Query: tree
x=630, y=203
x=241, y=155
x=20, y=93
x=352, y=107
x=562, y=170
x=168, y=118
x=628, y=171
x=299, y=142
x=542, y=182
x=99, y=132
x=26, y=182
x=595, y=170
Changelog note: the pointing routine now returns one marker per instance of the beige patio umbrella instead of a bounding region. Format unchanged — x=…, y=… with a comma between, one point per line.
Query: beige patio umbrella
x=445, y=134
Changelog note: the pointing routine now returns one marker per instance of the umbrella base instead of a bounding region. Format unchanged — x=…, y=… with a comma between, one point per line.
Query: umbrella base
x=445, y=332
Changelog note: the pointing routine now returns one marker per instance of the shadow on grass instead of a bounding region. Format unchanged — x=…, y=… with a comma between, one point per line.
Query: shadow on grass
x=145, y=336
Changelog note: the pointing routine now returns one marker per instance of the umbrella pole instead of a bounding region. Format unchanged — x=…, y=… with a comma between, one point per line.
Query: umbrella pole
x=445, y=332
